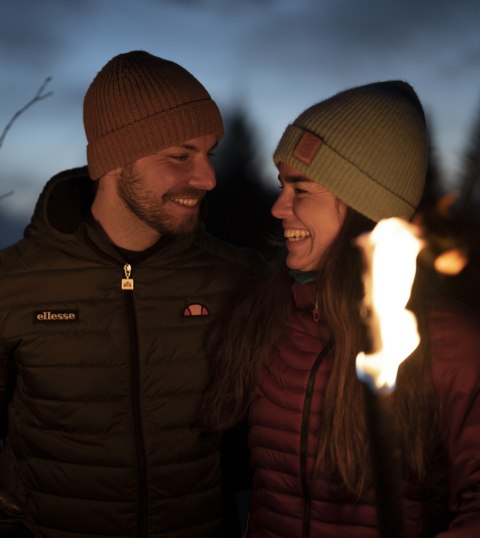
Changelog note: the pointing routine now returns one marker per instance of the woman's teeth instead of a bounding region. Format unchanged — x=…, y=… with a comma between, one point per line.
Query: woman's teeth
x=296, y=235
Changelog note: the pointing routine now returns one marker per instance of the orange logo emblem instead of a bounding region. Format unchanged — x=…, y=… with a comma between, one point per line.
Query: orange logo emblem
x=307, y=147
x=195, y=309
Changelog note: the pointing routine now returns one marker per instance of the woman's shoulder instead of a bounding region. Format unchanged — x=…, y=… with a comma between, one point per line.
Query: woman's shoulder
x=451, y=320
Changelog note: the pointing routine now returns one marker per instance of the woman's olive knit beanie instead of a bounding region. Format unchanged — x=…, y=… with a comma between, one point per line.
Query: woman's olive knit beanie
x=367, y=145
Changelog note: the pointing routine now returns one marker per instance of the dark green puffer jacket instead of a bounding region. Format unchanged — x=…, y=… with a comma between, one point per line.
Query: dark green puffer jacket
x=101, y=438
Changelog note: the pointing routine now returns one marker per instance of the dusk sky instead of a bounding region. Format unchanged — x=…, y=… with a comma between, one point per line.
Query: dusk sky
x=274, y=57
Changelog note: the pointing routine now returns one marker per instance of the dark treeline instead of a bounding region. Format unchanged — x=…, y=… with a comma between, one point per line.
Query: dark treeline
x=238, y=209
x=452, y=219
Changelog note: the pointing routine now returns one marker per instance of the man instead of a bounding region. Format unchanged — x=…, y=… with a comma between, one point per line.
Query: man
x=106, y=304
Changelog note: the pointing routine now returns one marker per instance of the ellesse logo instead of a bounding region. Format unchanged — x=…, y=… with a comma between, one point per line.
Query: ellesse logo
x=56, y=315
x=195, y=309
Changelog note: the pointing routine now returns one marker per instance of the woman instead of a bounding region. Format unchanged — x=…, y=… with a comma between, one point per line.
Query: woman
x=287, y=360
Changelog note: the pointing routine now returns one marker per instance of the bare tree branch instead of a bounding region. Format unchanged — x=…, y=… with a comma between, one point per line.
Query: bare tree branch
x=2, y=196
x=37, y=97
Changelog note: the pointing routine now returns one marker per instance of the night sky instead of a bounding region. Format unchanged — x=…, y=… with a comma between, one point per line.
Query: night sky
x=273, y=57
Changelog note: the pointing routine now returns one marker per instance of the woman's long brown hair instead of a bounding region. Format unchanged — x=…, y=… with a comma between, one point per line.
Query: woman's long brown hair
x=244, y=340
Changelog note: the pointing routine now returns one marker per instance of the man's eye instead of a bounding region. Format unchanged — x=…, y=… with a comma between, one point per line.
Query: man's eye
x=179, y=157
x=297, y=190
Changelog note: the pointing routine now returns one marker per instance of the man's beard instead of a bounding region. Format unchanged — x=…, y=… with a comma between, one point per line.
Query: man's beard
x=151, y=211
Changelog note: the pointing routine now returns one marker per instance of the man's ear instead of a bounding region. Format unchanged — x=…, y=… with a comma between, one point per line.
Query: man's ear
x=108, y=179
x=113, y=174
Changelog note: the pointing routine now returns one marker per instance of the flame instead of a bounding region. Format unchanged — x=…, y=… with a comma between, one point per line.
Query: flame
x=451, y=262
x=390, y=252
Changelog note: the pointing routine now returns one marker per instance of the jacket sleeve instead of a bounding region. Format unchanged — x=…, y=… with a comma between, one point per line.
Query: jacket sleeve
x=455, y=345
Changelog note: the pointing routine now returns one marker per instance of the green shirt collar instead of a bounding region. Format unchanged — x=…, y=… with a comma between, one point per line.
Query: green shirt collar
x=303, y=277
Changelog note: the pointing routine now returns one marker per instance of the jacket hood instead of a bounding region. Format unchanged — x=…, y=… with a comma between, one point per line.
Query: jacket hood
x=62, y=214
x=63, y=205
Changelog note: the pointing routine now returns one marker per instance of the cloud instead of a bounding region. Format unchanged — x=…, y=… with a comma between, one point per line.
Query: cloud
x=346, y=33
x=32, y=33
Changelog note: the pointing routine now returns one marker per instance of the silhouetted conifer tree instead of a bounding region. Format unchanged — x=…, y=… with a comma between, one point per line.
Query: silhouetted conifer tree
x=469, y=206
x=466, y=285
x=434, y=180
x=238, y=209
x=457, y=225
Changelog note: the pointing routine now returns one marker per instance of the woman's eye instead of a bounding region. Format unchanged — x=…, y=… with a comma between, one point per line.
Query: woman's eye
x=299, y=191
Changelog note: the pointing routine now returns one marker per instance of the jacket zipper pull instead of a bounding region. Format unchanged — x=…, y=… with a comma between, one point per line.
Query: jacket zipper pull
x=316, y=310
x=127, y=282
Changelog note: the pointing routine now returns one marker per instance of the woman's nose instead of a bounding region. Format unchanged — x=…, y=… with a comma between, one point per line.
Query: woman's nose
x=282, y=206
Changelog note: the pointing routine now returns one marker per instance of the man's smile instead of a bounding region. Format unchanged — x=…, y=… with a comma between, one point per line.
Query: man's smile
x=188, y=202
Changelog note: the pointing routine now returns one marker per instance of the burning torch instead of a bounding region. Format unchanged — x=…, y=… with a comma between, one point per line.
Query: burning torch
x=390, y=253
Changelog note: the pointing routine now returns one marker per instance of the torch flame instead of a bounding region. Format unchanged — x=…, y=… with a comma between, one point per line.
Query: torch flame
x=390, y=252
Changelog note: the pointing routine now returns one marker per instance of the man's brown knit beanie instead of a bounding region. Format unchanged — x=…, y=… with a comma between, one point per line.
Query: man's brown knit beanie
x=367, y=145
x=139, y=104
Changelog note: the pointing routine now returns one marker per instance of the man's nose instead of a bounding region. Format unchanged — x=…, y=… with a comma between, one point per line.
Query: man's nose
x=204, y=175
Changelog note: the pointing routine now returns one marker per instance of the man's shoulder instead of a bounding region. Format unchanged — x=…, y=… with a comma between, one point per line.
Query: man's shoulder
x=14, y=256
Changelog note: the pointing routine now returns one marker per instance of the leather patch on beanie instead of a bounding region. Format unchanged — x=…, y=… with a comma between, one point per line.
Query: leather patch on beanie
x=307, y=147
